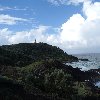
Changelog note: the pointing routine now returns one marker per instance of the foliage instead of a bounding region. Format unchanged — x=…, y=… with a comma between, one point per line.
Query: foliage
x=25, y=53
x=58, y=82
x=10, y=90
x=34, y=71
x=82, y=89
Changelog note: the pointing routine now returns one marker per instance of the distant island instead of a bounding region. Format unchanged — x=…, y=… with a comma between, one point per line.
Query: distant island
x=37, y=71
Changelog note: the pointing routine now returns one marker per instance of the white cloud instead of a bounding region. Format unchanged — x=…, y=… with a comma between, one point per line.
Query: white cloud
x=4, y=36
x=83, y=33
x=16, y=8
x=40, y=34
x=76, y=2
x=9, y=20
x=54, y=2
x=4, y=8
x=24, y=36
x=71, y=28
x=76, y=35
x=67, y=2
x=92, y=10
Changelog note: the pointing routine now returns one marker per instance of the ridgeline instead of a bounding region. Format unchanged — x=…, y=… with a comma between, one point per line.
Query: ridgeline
x=26, y=53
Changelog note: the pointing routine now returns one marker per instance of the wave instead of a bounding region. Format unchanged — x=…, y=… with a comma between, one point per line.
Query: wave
x=93, y=63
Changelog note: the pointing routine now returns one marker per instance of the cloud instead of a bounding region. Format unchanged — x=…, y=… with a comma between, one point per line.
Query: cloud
x=29, y=36
x=4, y=36
x=80, y=34
x=71, y=28
x=76, y=2
x=83, y=34
x=4, y=8
x=91, y=10
x=77, y=35
x=39, y=33
x=67, y=2
x=9, y=20
x=24, y=36
x=54, y=2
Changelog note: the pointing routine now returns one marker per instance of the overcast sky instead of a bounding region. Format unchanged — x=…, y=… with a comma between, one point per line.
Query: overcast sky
x=72, y=25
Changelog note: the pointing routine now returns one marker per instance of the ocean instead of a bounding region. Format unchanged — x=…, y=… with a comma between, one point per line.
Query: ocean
x=93, y=63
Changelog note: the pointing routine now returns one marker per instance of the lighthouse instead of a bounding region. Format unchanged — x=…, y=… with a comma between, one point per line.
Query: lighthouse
x=35, y=41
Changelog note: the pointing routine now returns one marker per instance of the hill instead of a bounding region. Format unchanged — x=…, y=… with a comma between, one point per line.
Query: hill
x=8, y=57
x=34, y=71
x=25, y=53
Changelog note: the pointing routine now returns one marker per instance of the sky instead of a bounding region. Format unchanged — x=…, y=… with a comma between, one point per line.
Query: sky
x=72, y=25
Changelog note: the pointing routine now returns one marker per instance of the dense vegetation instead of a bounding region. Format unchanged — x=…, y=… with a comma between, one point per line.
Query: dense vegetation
x=44, y=77
x=25, y=53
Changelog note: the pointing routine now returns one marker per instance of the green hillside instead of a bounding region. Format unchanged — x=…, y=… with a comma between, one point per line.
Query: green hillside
x=25, y=53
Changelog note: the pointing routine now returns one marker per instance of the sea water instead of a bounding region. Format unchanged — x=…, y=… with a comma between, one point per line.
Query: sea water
x=93, y=63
